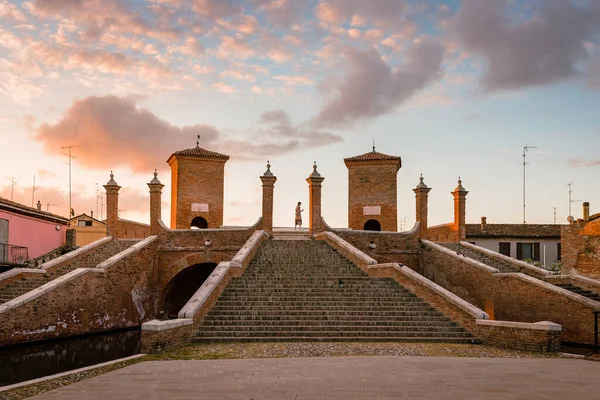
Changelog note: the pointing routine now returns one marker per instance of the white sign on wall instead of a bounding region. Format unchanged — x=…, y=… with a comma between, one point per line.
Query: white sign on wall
x=372, y=210
x=199, y=207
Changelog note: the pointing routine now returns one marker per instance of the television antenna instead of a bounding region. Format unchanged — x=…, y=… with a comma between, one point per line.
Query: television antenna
x=33, y=189
x=48, y=206
x=13, y=183
x=554, y=208
x=525, y=150
x=69, y=163
x=571, y=201
x=97, y=198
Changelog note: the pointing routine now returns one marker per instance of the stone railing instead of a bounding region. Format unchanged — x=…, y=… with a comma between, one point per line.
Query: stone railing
x=160, y=335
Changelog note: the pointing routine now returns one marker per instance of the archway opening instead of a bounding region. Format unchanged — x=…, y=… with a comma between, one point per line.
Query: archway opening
x=183, y=286
x=372, y=225
x=199, y=223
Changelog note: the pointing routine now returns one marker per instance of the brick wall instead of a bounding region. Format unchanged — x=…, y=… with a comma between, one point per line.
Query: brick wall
x=446, y=233
x=196, y=180
x=132, y=229
x=373, y=183
x=538, y=337
x=512, y=296
x=402, y=247
x=580, y=248
x=111, y=296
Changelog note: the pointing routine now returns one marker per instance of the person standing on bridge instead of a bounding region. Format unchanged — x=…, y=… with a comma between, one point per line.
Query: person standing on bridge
x=298, y=217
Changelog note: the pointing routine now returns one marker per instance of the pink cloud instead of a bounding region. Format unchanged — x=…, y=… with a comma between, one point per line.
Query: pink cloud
x=576, y=162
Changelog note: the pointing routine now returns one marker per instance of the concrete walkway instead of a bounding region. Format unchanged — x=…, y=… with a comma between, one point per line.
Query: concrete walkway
x=344, y=378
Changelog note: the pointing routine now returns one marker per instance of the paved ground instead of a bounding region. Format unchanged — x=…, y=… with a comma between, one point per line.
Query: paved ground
x=344, y=378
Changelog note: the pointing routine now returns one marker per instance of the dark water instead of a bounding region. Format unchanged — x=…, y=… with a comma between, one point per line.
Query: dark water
x=18, y=364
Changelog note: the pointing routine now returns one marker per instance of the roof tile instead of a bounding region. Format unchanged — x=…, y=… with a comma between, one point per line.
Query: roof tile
x=372, y=156
x=200, y=152
x=513, y=231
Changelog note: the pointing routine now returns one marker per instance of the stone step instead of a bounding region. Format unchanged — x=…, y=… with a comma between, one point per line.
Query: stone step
x=321, y=333
x=398, y=339
x=326, y=307
x=376, y=321
x=348, y=330
x=316, y=314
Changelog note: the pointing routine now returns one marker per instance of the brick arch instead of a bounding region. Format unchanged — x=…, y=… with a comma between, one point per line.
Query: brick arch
x=167, y=274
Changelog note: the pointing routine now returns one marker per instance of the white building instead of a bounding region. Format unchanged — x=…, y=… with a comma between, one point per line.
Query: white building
x=521, y=241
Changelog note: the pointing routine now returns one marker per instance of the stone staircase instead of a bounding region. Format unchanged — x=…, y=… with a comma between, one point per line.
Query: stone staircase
x=583, y=292
x=29, y=281
x=502, y=266
x=291, y=235
x=303, y=290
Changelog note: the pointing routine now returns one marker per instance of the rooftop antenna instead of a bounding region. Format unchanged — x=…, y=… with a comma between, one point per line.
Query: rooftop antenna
x=97, y=198
x=69, y=163
x=198, y=141
x=525, y=149
x=48, y=206
x=102, y=204
x=554, y=208
x=571, y=201
x=373, y=145
x=13, y=183
x=33, y=189
x=119, y=211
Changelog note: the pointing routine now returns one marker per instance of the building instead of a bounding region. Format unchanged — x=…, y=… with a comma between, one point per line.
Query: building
x=87, y=229
x=197, y=194
x=581, y=245
x=372, y=191
x=536, y=242
x=27, y=232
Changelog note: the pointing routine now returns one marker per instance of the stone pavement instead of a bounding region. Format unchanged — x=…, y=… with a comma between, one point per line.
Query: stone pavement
x=364, y=378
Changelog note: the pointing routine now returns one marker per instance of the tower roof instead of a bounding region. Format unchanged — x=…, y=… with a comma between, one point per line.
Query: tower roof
x=199, y=152
x=374, y=156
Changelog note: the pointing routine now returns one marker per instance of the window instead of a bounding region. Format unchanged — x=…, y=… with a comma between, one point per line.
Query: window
x=558, y=250
x=504, y=248
x=84, y=223
x=528, y=251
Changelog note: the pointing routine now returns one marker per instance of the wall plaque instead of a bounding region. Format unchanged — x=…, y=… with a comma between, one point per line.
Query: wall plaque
x=199, y=207
x=372, y=210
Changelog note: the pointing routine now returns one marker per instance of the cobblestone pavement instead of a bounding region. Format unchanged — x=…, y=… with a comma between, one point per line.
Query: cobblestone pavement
x=343, y=378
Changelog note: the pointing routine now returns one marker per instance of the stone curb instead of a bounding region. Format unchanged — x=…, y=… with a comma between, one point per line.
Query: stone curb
x=468, y=260
x=66, y=373
x=126, y=253
x=542, y=325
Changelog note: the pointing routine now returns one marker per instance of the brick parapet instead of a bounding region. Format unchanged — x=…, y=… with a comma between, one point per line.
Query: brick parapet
x=268, y=185
x=314, y=200
x=117, y=295
x=539, y=337
x=510, y=296
x=421, y=200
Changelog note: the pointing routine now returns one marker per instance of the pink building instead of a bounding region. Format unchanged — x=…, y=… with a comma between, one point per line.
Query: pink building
x=27, y=232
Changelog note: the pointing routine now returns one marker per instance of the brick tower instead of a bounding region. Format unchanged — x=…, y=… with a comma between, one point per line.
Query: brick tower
x=372, y=191
x=197, y=181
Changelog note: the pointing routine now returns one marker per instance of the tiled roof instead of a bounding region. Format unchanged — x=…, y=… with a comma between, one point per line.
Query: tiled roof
x=513, y=231
x=200, y=152
x=594, y=216
x=8, y=205
x=86, y=216
x=373, y=156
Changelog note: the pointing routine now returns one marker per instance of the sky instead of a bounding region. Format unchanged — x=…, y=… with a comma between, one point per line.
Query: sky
x=455, y=88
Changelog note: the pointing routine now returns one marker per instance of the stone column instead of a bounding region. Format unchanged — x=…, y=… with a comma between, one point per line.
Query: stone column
x=422, y=196
x=314, y=202
x=460, y=210
x=268, y=185
x=112, y=207
x=155, y=203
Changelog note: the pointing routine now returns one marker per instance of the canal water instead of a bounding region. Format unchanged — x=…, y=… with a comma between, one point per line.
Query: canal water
x=25, y=362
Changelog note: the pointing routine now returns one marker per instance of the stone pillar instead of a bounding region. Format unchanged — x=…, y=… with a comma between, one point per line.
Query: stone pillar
x=586, y=211
x=112, y=207
x=460, y=214
x=422, y=195
x=314, y=202
x=155, y=203
x=268, y=185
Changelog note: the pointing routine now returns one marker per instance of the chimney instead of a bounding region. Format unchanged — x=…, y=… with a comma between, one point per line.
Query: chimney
x=483, y=223
x=586, y=211
x=92, y=214
x=39, y=205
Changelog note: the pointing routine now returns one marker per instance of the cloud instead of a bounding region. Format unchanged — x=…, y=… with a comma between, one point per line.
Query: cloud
x=215, y=8
x=542, y=49
x=113, y=131
x=371, y=88
x=10, y=12
x=385, y=13
x=576, y=162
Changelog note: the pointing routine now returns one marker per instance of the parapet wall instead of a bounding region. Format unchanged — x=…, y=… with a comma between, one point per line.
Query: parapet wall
x=401, y=247
x=115, y=294
x=510, y=296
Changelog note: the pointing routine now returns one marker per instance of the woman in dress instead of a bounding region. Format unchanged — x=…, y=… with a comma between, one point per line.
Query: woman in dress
x=298, y=217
